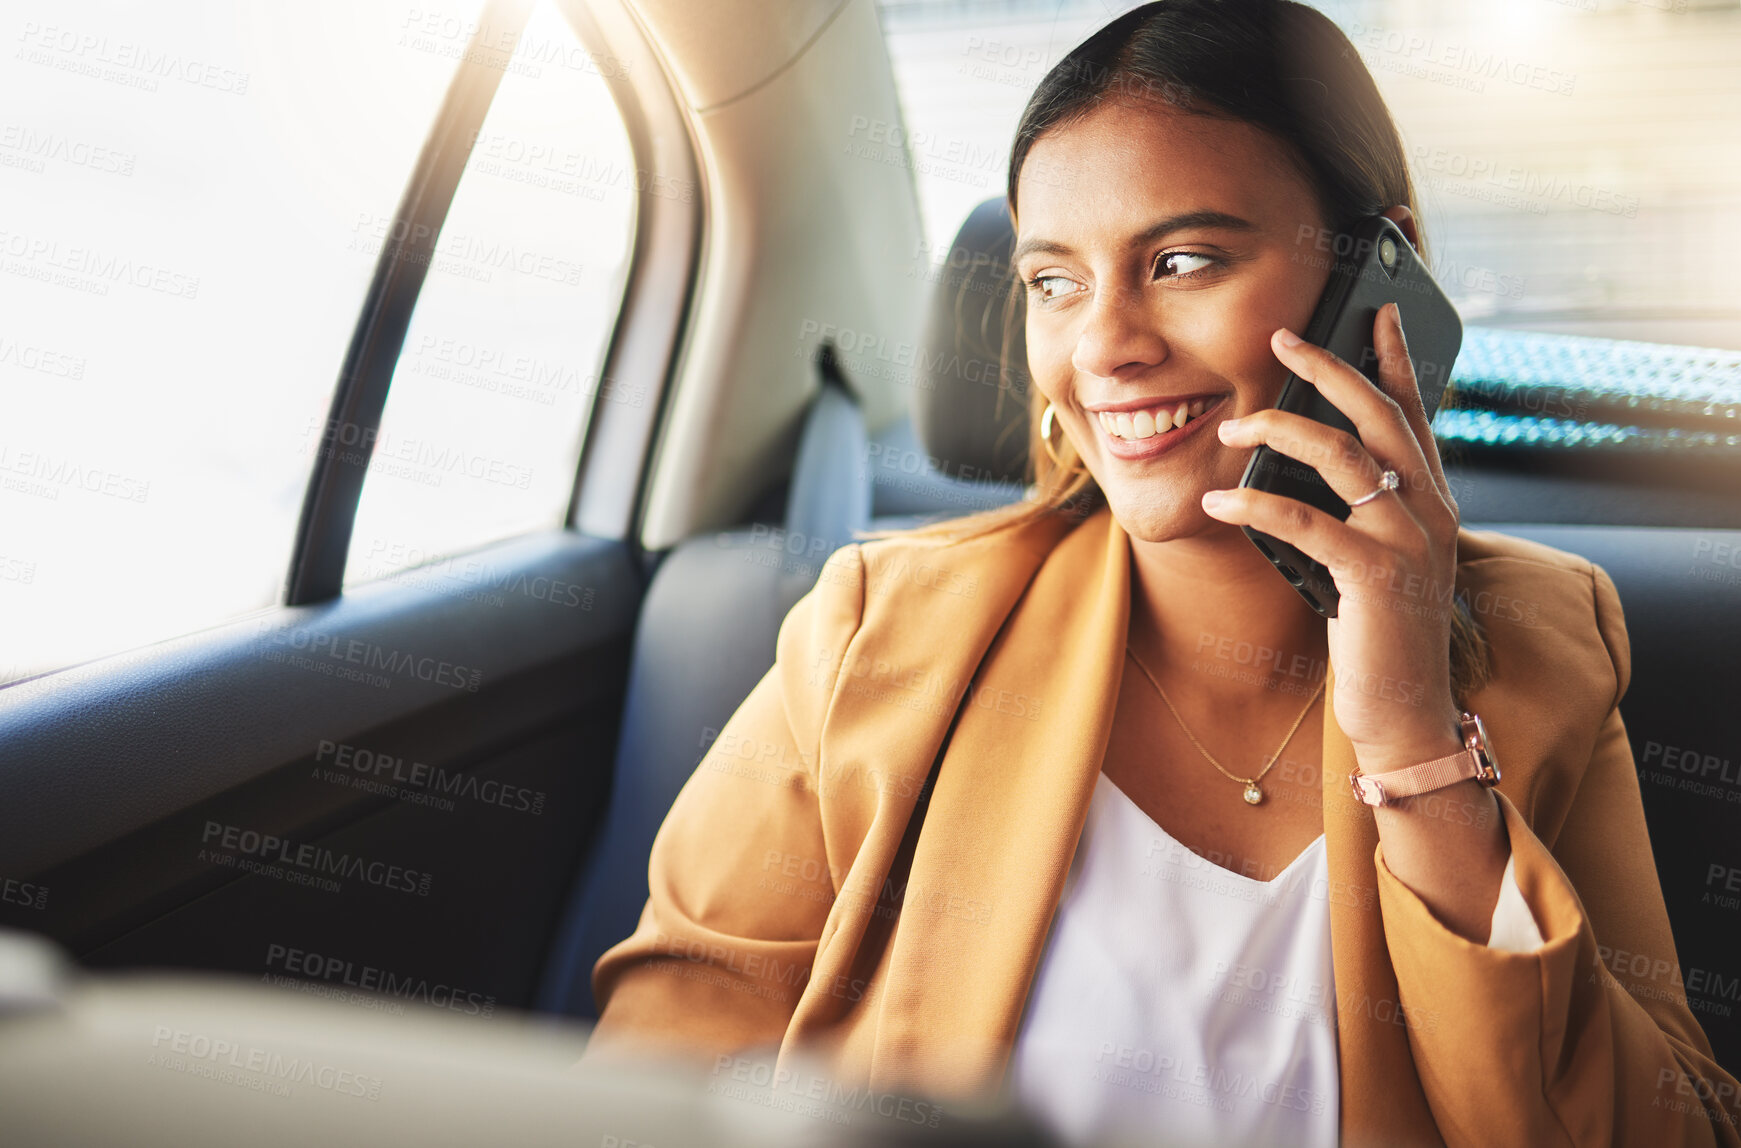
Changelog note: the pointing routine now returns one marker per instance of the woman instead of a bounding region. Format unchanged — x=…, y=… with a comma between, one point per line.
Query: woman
x=1141, y=894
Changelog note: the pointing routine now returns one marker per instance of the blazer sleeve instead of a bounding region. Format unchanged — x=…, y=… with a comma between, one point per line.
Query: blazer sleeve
x=1587, y=1040
x=738, y=877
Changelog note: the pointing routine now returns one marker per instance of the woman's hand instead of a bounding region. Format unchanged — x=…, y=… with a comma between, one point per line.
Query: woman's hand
x=1394, y=560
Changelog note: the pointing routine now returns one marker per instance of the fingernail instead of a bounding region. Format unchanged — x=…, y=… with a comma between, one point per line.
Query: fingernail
x=1212, y=499
x=1288, y=339
x=1230, y=425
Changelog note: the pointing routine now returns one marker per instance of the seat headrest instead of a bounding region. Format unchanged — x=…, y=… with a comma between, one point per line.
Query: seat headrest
x=956, y=412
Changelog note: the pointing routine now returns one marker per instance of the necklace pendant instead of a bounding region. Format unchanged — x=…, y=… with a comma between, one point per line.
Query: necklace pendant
x=1253, y=795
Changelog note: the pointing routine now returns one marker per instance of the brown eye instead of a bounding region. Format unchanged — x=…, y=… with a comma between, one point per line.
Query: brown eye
x=1041, y=285
x=1181, y=264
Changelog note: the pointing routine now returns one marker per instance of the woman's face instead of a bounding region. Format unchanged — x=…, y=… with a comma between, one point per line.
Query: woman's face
x=1160, y=250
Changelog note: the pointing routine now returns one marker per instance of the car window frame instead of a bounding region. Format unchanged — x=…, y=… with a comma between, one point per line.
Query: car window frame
x=667, y=236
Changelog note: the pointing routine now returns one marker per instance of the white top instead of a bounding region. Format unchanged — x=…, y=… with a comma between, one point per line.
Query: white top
x=1183, y=1003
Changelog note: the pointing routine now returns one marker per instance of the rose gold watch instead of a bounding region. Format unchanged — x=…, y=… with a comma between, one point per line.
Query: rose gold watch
x=1473, y=760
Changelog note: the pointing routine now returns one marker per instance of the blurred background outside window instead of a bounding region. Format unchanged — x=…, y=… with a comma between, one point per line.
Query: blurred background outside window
x=196, y=194
x=1574, y=158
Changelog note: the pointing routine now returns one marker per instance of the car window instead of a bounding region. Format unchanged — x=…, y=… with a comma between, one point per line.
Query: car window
x=1561, y=148
x=184, y=187
x=197, y=206
x=501, y=364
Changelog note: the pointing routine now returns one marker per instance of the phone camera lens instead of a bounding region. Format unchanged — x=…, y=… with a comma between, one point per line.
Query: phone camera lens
x=1387, y=252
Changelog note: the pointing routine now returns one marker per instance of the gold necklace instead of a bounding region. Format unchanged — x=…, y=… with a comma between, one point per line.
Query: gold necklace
x=1253, y=791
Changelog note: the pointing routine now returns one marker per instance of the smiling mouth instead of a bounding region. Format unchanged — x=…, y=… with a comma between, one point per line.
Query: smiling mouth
x=1138, y=425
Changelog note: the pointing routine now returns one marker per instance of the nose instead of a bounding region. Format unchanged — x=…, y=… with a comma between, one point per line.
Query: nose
x=1120, y=336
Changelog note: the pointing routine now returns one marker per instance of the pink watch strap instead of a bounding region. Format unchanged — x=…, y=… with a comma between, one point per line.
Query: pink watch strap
x=1470, y=761
x=1416, y=779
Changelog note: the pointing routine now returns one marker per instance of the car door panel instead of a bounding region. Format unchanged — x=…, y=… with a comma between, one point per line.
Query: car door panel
x=253, y=771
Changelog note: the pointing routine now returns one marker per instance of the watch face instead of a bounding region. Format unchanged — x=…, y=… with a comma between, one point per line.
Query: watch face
x=1475, y=737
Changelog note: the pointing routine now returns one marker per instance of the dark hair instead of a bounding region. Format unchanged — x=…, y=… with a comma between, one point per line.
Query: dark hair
x=1275, y=64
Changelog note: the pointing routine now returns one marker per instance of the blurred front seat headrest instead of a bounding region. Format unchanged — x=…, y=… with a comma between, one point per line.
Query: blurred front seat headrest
x=956, y=410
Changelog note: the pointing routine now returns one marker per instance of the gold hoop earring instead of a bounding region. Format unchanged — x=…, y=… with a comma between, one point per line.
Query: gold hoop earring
x=1046, y=436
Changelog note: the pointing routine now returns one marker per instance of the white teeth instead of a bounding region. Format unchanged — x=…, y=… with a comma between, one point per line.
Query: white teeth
x=1138, y=425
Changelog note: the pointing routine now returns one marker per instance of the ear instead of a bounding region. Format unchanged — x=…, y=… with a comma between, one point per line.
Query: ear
x=1405, y=219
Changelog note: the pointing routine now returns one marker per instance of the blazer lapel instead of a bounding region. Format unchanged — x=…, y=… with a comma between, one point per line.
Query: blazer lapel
x=1003, y=823
x=922, y=637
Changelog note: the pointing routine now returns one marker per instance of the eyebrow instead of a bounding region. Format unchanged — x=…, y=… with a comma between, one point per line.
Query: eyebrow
x=1172, y=223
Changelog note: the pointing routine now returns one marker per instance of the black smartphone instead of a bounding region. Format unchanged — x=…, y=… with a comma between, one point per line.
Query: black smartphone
x=1372, y=264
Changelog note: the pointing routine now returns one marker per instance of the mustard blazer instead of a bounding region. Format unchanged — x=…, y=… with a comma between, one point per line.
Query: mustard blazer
x=791, y=906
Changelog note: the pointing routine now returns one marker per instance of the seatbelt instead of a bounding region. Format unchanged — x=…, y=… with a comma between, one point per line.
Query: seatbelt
x=829, y=495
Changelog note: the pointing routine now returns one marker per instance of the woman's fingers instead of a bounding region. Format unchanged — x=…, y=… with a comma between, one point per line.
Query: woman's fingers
x=1319, y=536
x=1347, y=466
x=1379, y=420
